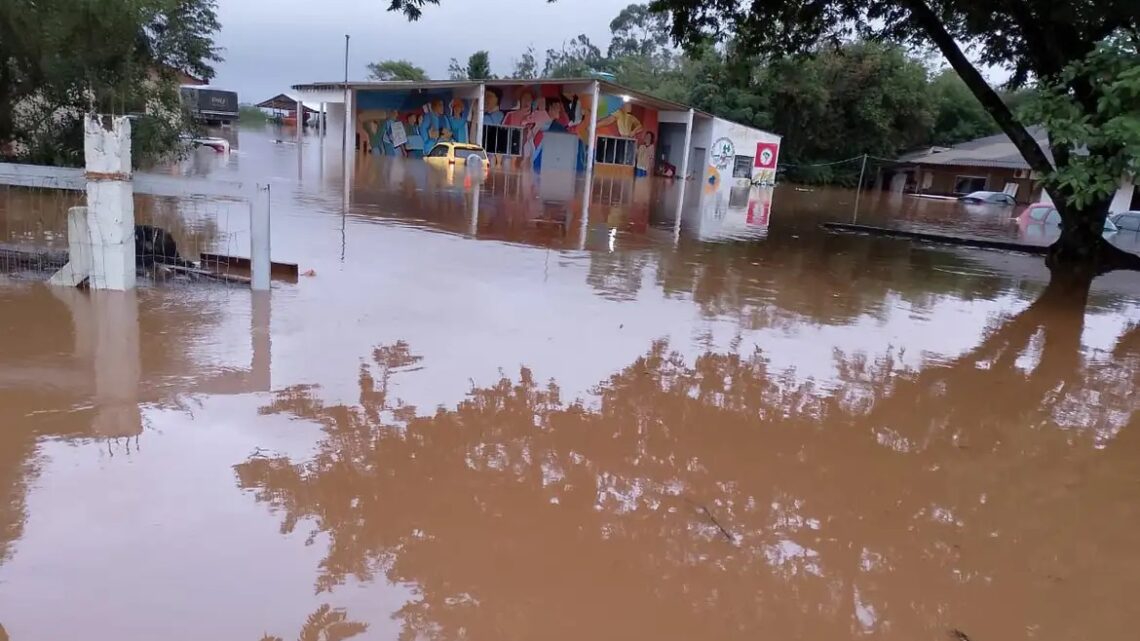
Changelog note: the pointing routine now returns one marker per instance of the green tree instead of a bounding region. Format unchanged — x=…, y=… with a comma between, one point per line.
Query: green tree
x=958, y=116
x=638, y=31
x=1031, y=38
x=64, y=58
x=456, y=71
x=577, y=59
x=839, y=103
x=1113, y=71
x=526, y=67
x=395, y=70
x=479, y=66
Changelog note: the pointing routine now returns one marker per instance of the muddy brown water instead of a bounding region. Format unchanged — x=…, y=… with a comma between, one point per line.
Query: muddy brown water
x=482, y=419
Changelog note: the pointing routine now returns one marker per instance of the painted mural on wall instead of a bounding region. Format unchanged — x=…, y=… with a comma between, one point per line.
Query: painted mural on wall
x=411, y=123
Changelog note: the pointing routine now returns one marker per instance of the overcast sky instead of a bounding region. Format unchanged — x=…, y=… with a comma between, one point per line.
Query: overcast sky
x=270, y=45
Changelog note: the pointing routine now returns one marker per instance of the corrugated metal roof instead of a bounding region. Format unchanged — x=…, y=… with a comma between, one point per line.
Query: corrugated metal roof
x=991, y=151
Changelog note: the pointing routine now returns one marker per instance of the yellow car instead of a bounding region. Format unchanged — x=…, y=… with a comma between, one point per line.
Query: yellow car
x=455, y=153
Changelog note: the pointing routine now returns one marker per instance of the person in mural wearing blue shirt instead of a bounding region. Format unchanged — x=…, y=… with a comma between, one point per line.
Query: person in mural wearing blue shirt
x=415, y=136
x=457, y=122
x=434, y=122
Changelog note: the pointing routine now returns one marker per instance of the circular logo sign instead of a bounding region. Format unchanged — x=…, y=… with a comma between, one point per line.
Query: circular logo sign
x=723, y=152
x=766, y=158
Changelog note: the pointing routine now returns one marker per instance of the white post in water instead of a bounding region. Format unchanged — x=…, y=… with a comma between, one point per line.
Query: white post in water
x=592, y=142
x=480, y=102
x=259, y=240
x=300, y=120
x=110, y=203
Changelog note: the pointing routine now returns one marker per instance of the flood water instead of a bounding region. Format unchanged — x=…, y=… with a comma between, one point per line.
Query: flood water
x=480, y=418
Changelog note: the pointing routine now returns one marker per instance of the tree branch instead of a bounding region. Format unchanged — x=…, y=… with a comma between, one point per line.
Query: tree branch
x=932, y=25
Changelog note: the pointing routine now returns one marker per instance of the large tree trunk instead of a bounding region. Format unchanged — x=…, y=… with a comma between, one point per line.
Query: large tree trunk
x=1082, y=246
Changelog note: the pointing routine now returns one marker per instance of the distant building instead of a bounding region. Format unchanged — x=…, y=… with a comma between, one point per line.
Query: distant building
x=991, y=163
x=545, y=124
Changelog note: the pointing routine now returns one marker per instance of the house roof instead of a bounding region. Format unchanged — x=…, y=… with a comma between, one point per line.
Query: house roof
x=283, y=102
x=991, y=151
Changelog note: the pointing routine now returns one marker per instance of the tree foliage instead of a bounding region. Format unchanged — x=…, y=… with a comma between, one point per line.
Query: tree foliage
x=64, y=58
x=479, y=66
x=576, y=59
x=958, y=116
x=1113, y=128
x=395, y=70
x=455, y=70
x=526, y=67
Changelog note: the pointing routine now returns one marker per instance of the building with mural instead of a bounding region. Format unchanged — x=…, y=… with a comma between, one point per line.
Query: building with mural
x=548, y=125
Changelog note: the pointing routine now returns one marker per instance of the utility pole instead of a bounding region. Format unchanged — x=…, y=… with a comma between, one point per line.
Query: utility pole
x=344, y=134
x=859, y=189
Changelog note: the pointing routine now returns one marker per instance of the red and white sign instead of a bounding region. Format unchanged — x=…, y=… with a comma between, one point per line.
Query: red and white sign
x=766, y=154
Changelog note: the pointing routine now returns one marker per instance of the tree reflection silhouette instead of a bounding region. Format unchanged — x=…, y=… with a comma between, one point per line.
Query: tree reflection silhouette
x=326, y=624
x=717, y=498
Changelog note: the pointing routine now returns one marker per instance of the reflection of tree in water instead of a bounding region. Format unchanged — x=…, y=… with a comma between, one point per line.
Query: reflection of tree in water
x=706, y=500
x=326, y=624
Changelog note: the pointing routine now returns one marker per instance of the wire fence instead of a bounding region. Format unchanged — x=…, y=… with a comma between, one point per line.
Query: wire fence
x=182, y=231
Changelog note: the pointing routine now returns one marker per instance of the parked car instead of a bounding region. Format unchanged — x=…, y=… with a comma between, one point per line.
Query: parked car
x=989, y=198
x=1042, y=220
x=455, y=153
x=1126, y=220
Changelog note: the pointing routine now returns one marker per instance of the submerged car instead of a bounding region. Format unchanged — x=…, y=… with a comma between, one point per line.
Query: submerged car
x=1126, y=220
x=455, y=153
x=1041, y=221
x=988, y=198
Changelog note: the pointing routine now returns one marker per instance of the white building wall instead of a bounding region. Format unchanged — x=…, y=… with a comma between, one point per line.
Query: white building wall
x=738, y=141
x=1122, y=200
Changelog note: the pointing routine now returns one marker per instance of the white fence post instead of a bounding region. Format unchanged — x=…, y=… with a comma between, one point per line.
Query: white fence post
x=110, y=203
x=259, y=240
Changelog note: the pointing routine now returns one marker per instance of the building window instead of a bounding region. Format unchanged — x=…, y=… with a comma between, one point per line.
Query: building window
x=742, y=167
x=969, y=184
x=615, y=151
x=502, y=140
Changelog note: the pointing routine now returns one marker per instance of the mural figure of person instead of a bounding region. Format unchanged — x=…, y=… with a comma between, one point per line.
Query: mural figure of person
x=396, y=135
x=386, y=134
x=492, y=106
x=415, y=136
x=434, y=121
x=628, y=125
x=372, y=142
x=457, y=121
x=569, y=110
x=645, y=154
x=517, y=118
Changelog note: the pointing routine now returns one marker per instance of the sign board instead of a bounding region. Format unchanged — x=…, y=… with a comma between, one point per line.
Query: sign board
x=723, y=153
x=396, y=133
x=767, y=153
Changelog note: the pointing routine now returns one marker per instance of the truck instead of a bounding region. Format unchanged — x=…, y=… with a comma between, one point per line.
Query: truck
x=211, y=106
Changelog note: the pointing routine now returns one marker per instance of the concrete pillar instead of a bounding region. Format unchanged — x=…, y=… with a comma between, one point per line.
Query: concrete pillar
x=300, y=119
x=349, y=134
x=259, y=244
x=688, y=146
x=478, y=137
x=110, y=203
x=1122, y=200
x=592, y=143
x=78, y=250
x=321, y=125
